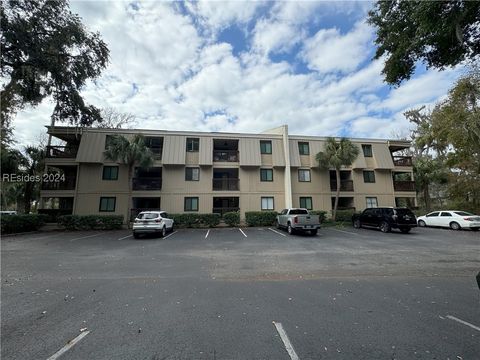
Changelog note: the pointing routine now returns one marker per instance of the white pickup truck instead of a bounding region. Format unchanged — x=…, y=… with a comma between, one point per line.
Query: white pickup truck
x=298, y=220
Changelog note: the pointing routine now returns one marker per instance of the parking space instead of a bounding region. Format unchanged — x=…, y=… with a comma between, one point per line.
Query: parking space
x=222, y=293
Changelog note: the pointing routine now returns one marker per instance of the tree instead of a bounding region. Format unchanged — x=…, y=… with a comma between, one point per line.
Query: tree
x=113, y=119
x=440, y=33
x=46, y=51
x=35, y=160
x=426, y=172
x=335, y=155
x=130, y=153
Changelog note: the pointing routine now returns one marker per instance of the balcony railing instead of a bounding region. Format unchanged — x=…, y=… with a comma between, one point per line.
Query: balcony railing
x=225, y=184
x=345, y=185
x=68, y=184
x=146, y=183
x=404, y=185
x=225, y=155
x=223, y=210
x=402, y=160
x=61, y=151
x=157, y=152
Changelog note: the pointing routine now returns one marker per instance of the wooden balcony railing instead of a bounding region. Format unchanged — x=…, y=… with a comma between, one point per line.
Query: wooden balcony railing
x=225, y=155
x=402, y=160
x=404, y=185
x=223, y=210
x=225, y=184
x=147, y=183
x=68, y=184
x=345, y=185
x=61, y=151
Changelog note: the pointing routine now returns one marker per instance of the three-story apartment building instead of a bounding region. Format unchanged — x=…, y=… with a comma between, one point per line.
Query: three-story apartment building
x=220, y=172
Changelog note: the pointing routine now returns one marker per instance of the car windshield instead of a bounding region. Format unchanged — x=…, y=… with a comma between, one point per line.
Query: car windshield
x=298, y=212
x=463, y=213
x=147, y=216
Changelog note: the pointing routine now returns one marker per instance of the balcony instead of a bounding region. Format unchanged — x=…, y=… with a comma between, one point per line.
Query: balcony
x=225, y=155
x=62, y=152
x=402, y=160
x=345, y=185
x=404, y=185
x=68, y=184
x=226, y=184
x=146, y=183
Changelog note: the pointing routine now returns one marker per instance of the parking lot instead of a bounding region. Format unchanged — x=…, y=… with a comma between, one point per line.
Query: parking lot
x=249, y=293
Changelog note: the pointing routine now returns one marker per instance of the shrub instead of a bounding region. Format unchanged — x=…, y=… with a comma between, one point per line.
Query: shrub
x=232, y=218
x=321, y=214
x=191, y=220
x=11, y=224
x=91, y=222
x=260, y=218
x=344, y=215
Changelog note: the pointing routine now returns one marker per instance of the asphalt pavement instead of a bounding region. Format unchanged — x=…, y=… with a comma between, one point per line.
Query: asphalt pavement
x=257, y=293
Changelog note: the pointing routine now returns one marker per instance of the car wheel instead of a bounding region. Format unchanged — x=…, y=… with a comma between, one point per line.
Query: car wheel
x=313, y=232
x=421, y=223
x=164, y=231
x=172, y=229
x=290, y=229
x=136, y=236
x=405, y=230
x=455, y=226
x=277, y=225
x=385, y=227
x=357, y=224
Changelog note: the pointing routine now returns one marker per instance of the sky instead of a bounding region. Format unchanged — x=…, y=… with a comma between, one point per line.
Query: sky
x=245, y=67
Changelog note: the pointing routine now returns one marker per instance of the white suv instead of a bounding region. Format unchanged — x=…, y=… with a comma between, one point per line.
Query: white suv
x=148, y=222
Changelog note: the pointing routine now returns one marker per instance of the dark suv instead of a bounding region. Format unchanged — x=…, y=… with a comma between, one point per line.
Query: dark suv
x=386, y=219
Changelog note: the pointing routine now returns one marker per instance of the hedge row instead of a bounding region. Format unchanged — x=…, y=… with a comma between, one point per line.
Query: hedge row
x=191, y=220
x=11, y=224
x=91, y=222
x=321, y=214
x=345, y=215
x=260, y=218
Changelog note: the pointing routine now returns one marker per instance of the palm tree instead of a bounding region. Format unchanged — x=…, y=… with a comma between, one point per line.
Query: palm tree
x=130, y=153
x=335, y=155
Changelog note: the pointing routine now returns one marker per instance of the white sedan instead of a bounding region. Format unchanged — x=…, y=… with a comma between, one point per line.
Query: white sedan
x=453, y=219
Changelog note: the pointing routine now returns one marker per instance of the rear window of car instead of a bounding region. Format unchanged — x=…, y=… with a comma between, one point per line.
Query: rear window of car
x=404, y=212
x=463, y=213
x=147, y=216
x=298, y=212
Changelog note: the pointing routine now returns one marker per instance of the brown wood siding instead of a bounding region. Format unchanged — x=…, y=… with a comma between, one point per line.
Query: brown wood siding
x=249, y=151
x=174, y=150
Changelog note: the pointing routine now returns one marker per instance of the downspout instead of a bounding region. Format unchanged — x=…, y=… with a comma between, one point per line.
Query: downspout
x=288, y=178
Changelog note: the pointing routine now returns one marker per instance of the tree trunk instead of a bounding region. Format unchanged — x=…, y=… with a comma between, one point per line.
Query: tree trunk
x=28, y=196
x=426, y=198
x=129, y=200
x=337, y=195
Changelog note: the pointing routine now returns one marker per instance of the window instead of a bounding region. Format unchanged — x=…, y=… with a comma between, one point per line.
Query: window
x=369, y=176
x=433, y=214
x=108, y=140
x=445, y=214
x=303, y=148
x=107, y=204
x=267, y=203
x=192, y=174
x=110, y=173
x=367, y=150
x=191, y=204
x=371, y=202
x=303, y=175
x=265, y=147
x=266, y=175
x=193, y=144
x=306, y=203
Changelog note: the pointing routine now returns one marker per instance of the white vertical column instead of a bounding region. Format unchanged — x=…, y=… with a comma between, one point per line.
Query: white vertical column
x=288, y=179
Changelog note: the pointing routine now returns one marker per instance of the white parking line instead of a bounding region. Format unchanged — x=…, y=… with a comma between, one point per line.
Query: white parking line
x=166, y=237
x=68, y=346
x=208, y=232
x=286, y=341
x=125, y=237
x=463, y=322
x=277, y=232
x=84, y=237
x=243, y=232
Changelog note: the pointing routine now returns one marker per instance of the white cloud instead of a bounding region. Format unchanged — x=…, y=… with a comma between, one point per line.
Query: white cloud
x=329, y=50
x=275, y=37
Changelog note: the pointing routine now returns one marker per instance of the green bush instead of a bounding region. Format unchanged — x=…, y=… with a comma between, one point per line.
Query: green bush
x=322, y=215
x=11, y=224
x=344, y=215
x=260, y=218
x=232, y=218
x=91, y=222
x=192, y=220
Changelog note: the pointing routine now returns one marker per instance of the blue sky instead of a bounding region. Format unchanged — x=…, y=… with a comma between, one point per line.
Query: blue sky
x=246, y=67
